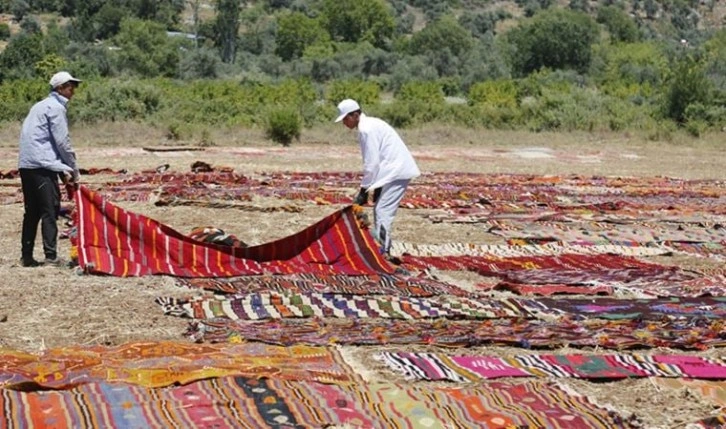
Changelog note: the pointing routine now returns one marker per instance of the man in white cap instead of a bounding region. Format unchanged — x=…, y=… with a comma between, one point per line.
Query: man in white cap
x=388, y=167
x=45, y=156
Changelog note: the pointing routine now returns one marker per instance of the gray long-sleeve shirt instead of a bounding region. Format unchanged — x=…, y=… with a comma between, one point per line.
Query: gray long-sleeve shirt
x=44, y=139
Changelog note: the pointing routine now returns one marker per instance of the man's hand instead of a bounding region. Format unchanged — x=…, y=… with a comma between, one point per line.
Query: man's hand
x=362, y=198
x=71, y=184
x=377, y=194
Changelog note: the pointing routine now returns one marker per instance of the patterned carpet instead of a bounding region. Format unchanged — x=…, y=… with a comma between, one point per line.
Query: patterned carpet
x=267, y=315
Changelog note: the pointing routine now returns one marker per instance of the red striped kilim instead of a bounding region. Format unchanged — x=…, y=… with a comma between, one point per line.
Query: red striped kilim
x=115, y=241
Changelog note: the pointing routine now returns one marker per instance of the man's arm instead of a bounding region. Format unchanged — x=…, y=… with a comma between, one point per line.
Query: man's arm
x=371, y=158
x=58, y=124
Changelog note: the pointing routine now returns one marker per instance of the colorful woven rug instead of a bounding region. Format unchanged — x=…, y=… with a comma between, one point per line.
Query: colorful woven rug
x=114, y=241
x=708, y=285
x=508, y=250
x=548, y=289
x=491, y=265
x=156, y=364
x=237, y=402
x=221, y=204
x=611, y=308
x=437, y=366
x=698, y=334
x=565, y=269
x=276, y=305
x=708, y=250
x=307, y=283
x=608, y=231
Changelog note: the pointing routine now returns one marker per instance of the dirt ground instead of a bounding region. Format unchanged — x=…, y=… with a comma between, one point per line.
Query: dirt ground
x=49, y=307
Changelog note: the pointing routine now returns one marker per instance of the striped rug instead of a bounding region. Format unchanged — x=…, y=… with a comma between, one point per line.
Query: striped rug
x=306, y=283
x=117, y=242
x=257, y=306
x=441, y=367
x=237, y=402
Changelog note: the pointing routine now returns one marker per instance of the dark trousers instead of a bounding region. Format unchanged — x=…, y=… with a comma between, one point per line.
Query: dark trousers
x=41, y=195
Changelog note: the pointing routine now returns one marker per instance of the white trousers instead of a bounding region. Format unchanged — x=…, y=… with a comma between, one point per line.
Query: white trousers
x=384, y=211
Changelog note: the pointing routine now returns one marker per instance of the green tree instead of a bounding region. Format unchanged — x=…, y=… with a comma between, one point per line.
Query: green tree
x=445, y=33
x=48, y=65
x=227, y=28
x=108, y=21
x=445, y=43
x=4, y=31
x=556, y=39
x=20, y=56
x=19, y=9
x=715, y=50
x=145, y=49
x=201, y=63
x=295, y=32
x=484, y=62
x=359, y=20
x=633, y=69
x=479, y=23
x=687, y=85
x=620, y=26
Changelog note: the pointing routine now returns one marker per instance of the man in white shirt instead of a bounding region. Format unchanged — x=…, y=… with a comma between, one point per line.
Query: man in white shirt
x=388, y=167
x=46, y=155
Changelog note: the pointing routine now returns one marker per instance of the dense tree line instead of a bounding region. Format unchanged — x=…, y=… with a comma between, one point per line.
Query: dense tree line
x=632, y=61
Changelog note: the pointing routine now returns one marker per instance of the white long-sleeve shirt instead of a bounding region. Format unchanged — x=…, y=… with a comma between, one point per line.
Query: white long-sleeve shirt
x=385, y=156
x=44, y=139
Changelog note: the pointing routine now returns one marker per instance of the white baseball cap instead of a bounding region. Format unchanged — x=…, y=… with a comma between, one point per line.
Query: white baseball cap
x=346, y=106
x=60, y=78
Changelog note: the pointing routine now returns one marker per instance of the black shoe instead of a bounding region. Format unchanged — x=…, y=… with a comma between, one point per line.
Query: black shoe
x=30, y=263
x=55, y=262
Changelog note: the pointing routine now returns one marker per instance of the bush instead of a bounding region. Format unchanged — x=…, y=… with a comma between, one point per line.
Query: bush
x=19, y=95
x=696, y=128
x=4, y=31
x=421, y=92
x=495, y=93
x=116, y=100
x=633, y=69
x=365, y=93
x=402, y=114
x=283, y=124
x=199, y=63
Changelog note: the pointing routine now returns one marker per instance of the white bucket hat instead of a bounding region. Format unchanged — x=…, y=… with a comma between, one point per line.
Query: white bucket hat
x=346, y=106
x=61, y=78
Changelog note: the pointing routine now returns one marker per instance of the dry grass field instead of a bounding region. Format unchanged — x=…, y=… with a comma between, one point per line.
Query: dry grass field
x=50, y=307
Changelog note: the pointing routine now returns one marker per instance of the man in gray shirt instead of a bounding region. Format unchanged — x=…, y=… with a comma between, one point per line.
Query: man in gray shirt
x=45, y=156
